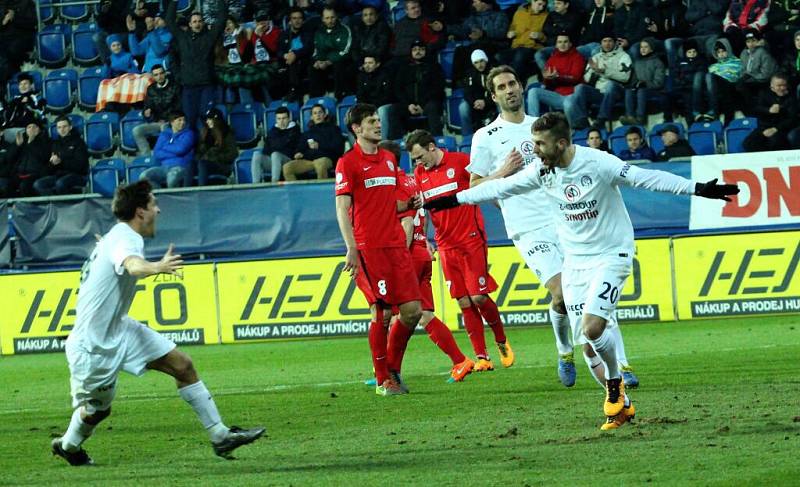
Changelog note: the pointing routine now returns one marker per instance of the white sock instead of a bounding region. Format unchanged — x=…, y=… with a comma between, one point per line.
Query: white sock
x=77, y=432
x=605, y=347
x=562, y=331
x=203, y=404
x=596, y=368
x=622, y=359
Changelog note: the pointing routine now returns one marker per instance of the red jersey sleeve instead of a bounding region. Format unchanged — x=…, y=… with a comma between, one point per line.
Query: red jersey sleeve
x=344, y=178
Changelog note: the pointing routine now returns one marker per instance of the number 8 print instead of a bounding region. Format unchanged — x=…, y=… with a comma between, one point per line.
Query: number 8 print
x=382, y=287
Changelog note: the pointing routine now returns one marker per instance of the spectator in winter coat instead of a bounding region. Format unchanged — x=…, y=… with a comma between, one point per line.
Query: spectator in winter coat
x=526, y=37
x=598, y=24
x=26, y=107
x=331, y=58
x=605, y=74
x=69, y=162
x=17, y=35
x=743, y=15
x=162, y=98
x=322, y=145
x=649, y=74
x=637, y=147
x=563, y=19
x=213, y=11
x=721, y=81
x=419, y=88
x=484, y=29
x=594, y=139
x=111, y=19
x=371, y=36
x=155, y=44
x=758, y=66
x=406, y=31
x=8, y=162
x=373, y=86
x=562, y=72
x=668, y=27
x=777, y=114
x=119, y=61
x=790, y=65
x=477, y=108
x=295, y=47
x=630, y=23
x=705, y=24
x=674, y=145
x=689, y=83
x=279, y=147
x=175, y=154
x=216, y=150
x=33, y=157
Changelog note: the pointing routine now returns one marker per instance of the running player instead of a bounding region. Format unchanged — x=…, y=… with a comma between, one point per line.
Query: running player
x=594, y=229
x=461, y=239
x=377, y=256
x=106, y=340
x=529, y=222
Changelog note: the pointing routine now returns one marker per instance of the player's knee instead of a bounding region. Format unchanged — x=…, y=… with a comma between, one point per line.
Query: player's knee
x=464, y=302
x=411, y=316
x=479, y=299
x=592, y=326
x=184, y=368
x=97, y=416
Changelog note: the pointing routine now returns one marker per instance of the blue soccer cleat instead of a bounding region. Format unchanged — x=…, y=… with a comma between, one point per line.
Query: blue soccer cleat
x=566, y=369
x=371, y=382
x=629, y=378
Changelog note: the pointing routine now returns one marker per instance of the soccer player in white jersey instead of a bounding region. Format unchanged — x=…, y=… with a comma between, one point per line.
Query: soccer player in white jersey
x=105, y=340
x=529, y=223
x=595, y=231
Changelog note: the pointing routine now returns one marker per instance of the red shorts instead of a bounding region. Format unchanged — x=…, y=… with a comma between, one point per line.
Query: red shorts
x=423, y=270
x=387, y=275
x=466, y=271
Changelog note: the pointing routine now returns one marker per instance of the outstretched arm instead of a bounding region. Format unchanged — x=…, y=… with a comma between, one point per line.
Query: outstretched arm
x=169, y=264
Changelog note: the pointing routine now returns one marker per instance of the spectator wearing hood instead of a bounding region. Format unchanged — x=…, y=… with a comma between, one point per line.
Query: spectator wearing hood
x=33, y=157
x=777, y=113
x=561, y=74
x=280, y=144
x=648, y=78
x=477, y=108
x=154, y=46
x=721, y=81
x=174, y=152
x=69, y=162
x=758, y=66
x=111, y=19
x=119, y=61
x=605, y=74
x=419, y=87
x=526, y=36
x=689, y=83
x=323, y=144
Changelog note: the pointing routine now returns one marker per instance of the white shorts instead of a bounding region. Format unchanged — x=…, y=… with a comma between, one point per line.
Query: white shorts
x=93, y=376
x=595, y=290
x=541, y=251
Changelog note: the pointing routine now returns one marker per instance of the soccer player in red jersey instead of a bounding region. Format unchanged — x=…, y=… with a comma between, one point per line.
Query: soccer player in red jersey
x=377, y=256
x=462, y=244
x=413, y=223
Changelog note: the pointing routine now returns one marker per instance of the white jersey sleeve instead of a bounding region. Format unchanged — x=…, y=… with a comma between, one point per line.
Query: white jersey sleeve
x=522, y=182
x=130, y=245
x=481, y=158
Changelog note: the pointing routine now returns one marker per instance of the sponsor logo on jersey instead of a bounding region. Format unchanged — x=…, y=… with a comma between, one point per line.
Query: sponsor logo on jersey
x=391, y=165
x=438, y=190
x=451, y=173
x=572, y=192
x=383, y=181
x=339, y=177
x=526, y=148
x=580, y=205
x=586, y=181
x=623, y=173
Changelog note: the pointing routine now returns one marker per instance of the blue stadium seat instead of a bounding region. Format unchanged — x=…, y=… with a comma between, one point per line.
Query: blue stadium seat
x=77, y=123
x=735, y=135
x=88, y=84
x=703, y=137
x=138, y=166
x=446, y=61
x=185, y=5
x=74, y=13
x=305, y=112
x=398, y=12
x=616, y=141
x=47, y=11
x=59, y=87
x=126, y=126
x=106, y=175
x=52, y=49
x=405, y=161
x=466, y=144
x=269, y=113
x=64, y=28
x=243, y=121
x=453, y=115
x=654, y=139
x=745, y=122
x=341, y=111
x=84, y=50
x=579, y=137
x=100, y=130
x=243, y=174
x=447, y=142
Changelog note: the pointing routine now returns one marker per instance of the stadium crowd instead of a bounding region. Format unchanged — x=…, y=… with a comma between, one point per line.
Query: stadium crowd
x=607, y=64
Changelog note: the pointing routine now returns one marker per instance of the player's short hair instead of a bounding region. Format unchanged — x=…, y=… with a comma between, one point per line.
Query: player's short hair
x=25, y=77
x=594, y=129
x=156, y=66
x=555, y=123
x=496, y=71
x=357, y=113
x=296, y=10
x=63, y=118
x=174, y=115
x=634, y=130
x=127, y=198
x=392, y=147
x=421, y=137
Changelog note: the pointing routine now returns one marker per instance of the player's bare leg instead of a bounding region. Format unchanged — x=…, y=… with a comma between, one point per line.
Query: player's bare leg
x=192, y=390
x=603, y=343
x=443, y=338
x=473, y=324
x=562, y=331
x=488, y=310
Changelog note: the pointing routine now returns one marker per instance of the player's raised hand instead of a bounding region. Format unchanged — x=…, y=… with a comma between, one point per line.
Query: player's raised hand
x=171, y=262
x=351, y=262
x=715, y=191
x=513, y=163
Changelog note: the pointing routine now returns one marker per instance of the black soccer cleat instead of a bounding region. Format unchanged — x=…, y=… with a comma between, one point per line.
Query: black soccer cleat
x=76, y=459
x=235, y=438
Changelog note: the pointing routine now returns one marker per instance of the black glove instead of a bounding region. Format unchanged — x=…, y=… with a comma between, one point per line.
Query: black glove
x=715, y=191
x=442, y=203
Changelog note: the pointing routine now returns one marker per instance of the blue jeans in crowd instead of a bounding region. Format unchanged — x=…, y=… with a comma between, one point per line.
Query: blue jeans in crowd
x=66, y=184
x=556, y=101
x=586, y=95
x=195, y=101
x=636, y=101
x=173, y=177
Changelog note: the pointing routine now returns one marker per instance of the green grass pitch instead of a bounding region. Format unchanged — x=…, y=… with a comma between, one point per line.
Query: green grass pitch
x=719, y=404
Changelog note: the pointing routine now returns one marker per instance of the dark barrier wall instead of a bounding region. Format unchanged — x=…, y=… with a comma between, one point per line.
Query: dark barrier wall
x=279, y=221
x=5, y=247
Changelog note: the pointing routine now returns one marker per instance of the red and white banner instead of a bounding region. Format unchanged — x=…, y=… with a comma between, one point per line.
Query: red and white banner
x=770, y=190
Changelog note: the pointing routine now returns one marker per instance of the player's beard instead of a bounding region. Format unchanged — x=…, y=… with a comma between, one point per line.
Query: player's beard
x=512, y=106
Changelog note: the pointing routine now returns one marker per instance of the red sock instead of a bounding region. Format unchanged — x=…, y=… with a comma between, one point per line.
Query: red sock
x=399, y=334
x=442, y=337
x=492, y=316
x=377, y=345
x=474, y=325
